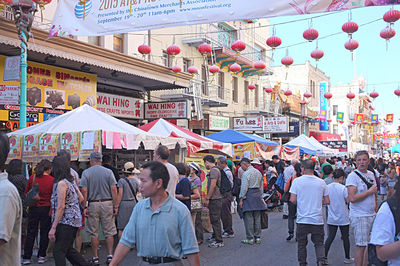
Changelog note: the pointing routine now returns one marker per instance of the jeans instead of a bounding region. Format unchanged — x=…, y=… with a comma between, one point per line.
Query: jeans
x=215, y=207
x=317, y=237
x=36, y=216
x=344, y=230
x=292, y=215
x=252, y=224
x=226, y=214
x=198, y=225
x=63, y=247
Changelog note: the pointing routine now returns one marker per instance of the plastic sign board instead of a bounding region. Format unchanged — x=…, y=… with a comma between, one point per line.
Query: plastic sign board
x=248, y=123
x=170, y=110
x=276, y=124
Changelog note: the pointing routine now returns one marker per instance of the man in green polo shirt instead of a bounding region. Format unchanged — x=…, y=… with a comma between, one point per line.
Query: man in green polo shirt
x=160, y=226
x=323, y=162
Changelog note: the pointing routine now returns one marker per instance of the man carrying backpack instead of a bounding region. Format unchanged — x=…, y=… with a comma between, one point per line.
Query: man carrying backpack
x=214, y=200
x=227, y=198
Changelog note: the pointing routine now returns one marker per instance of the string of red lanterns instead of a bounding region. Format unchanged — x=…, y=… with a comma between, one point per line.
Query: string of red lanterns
x=252, y=87
x=310, y=34
x=268, y=90
x=144, y=49
x=214, y=69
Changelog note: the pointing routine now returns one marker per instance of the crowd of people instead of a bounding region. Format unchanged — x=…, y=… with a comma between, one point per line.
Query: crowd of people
x=160, y=209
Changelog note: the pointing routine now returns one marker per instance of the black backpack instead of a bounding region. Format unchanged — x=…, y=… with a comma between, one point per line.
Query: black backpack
x=373, y=259
x=225, y=185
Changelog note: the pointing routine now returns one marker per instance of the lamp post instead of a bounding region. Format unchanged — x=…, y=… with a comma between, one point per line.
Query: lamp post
x=24, y=14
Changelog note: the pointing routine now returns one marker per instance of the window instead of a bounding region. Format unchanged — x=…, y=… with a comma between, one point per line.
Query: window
x=118, y=43
x=226, y=35
x=205, y=80
x=94, y=40
x=335, y=110
x=221, y=85
x=256, y=96
x=186, y=64
x=246, y=92
x=235, y=90
x=167, y=59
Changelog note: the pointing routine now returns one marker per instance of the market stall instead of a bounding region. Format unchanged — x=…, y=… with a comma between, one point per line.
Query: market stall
x=304, y=144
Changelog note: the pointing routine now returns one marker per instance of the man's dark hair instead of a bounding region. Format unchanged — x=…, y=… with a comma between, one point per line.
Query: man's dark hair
x=158, y=171
x=61, y=169
x=338, y=173
x=44, y=165
x=15, y=167
x=308, y=165
x=209, y=158
x=4, y=150
x=163, y=152
x=222, y=160
x=107, y=159
x=183, y=169
x=245, y=160
x=327, y=169
x=275, y=157
x=297, y=168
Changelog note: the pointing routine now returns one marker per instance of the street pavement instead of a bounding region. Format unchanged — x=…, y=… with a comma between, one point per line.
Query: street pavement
x=274, y=249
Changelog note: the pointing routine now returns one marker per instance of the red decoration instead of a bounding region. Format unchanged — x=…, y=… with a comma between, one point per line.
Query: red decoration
x=391, y=16
x=307, y=94
x=176, y=69
x=329, y=120
x=252, y=87
x=204, y=49
x=173, y=50
x=317, y=118
x=317, y=54
x=144, y=49
x=365, y=122
x=387, y=33
x=214, y=69
x=4, y=3
x=42, y=3
x=341, y=121
x=268, y=90
x=351, y=45
x=193, y=70
x=350, y=95
x=397, y=92
x=303, y=102
x=260, y=65
x=235, y=68
x=374, y=94
x=238, y=46
x=350, y=27
x=328, y=95
x=274, y=42
x=287, y=61
x=310, y=34
x=288, y=93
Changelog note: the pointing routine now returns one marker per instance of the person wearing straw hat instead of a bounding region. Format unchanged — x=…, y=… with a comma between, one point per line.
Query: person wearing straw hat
x=257, y=165
x=128, y=188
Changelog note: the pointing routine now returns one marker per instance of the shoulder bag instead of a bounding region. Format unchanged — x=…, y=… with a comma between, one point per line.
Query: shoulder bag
x=369, y=185
x=131, y=187
x=286, y=194
x=32, y=197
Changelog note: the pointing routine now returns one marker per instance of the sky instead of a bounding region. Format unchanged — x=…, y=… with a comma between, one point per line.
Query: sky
x=379, y=66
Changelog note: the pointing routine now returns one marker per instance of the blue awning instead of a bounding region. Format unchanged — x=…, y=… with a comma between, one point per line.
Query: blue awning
x=234, y=137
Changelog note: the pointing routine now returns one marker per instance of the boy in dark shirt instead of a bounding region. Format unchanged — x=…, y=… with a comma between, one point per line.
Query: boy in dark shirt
x=183, y=188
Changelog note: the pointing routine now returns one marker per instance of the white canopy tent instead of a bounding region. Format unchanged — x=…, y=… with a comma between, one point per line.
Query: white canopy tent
x=322, y=148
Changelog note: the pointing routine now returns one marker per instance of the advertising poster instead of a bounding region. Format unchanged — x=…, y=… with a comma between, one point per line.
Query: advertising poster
x=90, y=141
x=15, y=147
x=243, y=150
x=48, y=145
x=340, y=145
x=70, y=141
x=31, y=147
x=9, y=94
x=323, y=106
x=218, y=122
x=276, y=124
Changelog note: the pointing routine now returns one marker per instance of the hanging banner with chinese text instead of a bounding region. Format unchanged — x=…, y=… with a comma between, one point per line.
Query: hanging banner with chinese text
x=323, y=106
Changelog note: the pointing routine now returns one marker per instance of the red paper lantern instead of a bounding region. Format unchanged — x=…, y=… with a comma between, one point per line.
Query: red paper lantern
x=176, y=69
x=214, y=69
x=204, y=49
x=350, y=95
x=307, y=94
x=350, y=27
x=317, y=118
x=235, y=68
x=4, y=3
x=42, y=3
x=397, y=92
x=144, y=49
x=387, y=33
x=391, y=16
x=329, y=120
x=351, y=45
x=274, y=42
x=260, y=65
x=238, y=46
x=365, y=122
x=341, y=121
x=374, y=94
x=173, y=50
x=268, y=90
x=328, y=95
x=288, y=93
x=317, y=54
x=287, y=61
x=193, y=70
x=310, y=34
x=252, y=87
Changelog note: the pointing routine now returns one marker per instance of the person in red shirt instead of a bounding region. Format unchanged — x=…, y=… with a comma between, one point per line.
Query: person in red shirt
x=40, y=213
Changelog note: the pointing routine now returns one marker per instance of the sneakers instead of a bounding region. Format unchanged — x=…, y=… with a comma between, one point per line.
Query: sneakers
x=42, y=260
x=290, y=237
x=227, y=235
x=349, y=261
x=95, y=261
x=26, y=262
x=248, y=241
x=216, y=245
x=258, y=240
x=211, y=239
x=109, y=259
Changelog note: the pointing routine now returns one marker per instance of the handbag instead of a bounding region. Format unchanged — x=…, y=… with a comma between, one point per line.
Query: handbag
x=286, y=194
x=32, y=197
x=264, y=220
x=195, y=204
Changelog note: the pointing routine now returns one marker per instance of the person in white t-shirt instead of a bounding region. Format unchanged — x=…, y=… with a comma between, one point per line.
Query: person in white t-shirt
x=309, y=193
x=362, y=205
x=161, y=154
x=338, y=214
x=383, y=234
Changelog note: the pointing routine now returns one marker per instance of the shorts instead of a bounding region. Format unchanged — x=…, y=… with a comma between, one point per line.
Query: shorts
x=101, y=212
x=362, y=227
x=391, y=184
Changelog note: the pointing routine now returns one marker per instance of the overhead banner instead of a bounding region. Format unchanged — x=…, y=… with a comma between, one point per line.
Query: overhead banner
x=339, y=116
x=248, y=123
x=107, y=17
x=340, y=145
x=374, y=119
x=323, y=106
x=276, y=124
x=389, y=118
x=358, y=119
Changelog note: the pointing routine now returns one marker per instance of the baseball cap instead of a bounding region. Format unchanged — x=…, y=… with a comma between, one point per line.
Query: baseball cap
x=97, y=156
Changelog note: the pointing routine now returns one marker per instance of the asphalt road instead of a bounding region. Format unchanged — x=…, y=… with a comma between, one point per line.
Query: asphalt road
x=274, y=249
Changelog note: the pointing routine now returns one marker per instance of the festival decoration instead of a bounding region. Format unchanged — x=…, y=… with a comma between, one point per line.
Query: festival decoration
x=374, y=94
x=351, y=45
x=391, y=16
x=307, y=94
x=350, y=95
x=268, y=89
x=288, y=93
x=387, y=33
x=176, y=69
x=287, y=61
x=310, y=34
x=204, y=49
x=274, y=42
x=317, y=54
x=144, y=49
x=42, y=3
x=173, y=50
x=238, y=46
x=350, y=27
x=328, y=95
x=260, y=65
x=235, y=68
x=214, y=69
x=397, y=92
x=193, y=70
x=252, y=87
